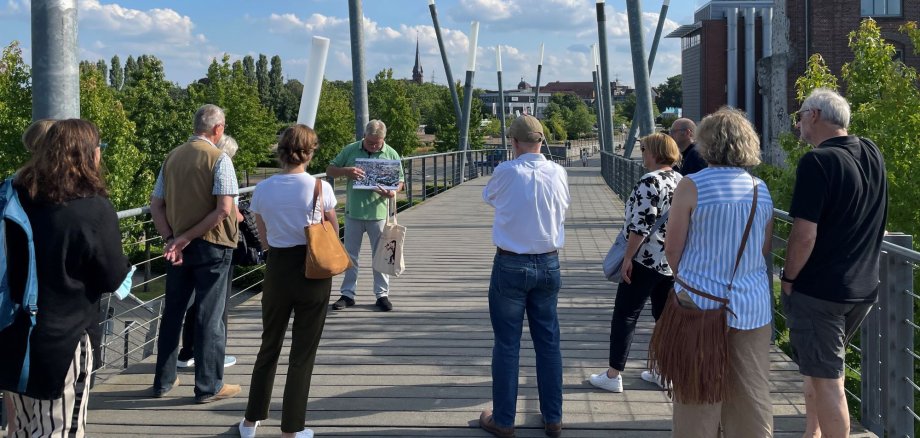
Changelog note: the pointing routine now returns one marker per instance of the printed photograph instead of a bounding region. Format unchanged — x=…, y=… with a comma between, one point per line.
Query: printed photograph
x=383, y=173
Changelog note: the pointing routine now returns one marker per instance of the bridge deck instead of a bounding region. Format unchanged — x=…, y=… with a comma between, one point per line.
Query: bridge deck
x=423, y=369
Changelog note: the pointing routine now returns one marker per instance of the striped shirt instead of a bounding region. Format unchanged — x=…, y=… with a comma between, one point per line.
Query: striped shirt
x=716, y=227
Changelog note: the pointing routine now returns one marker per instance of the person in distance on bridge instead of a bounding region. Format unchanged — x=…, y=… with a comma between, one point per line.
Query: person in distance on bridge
x=365, y=210
x=530, y=195
x=682, y=131
x=831, y=274
x=193, y=208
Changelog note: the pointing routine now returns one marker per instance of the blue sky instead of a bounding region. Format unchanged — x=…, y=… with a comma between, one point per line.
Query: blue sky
x=186, y=35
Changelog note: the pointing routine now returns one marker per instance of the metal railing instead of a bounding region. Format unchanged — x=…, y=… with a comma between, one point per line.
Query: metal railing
x=888, y=382
x=130, y=326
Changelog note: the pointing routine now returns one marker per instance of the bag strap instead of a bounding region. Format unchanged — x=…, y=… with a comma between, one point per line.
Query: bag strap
x=744, y=239
x=391, y=210
x=317, y=196
x=747, y=233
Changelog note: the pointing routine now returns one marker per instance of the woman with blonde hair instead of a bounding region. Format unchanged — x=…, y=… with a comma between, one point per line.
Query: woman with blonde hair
x=283, y=205
x=718, y=237
x=79, y=257
x=645, y=272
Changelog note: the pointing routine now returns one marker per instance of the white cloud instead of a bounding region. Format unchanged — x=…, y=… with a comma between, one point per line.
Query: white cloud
x=15, y=8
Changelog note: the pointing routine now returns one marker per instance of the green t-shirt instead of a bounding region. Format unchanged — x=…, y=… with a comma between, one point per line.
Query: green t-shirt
x=365, y=204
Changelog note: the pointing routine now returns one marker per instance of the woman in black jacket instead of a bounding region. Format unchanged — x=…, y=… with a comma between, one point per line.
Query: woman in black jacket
x=79, y=257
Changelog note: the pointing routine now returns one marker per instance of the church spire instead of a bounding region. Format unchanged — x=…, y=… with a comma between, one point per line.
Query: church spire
x=417, y=75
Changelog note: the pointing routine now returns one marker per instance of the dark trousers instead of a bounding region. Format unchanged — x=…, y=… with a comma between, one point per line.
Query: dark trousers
x=188, y=327
x=285, y=291
x=630, y=300
x=204, y=273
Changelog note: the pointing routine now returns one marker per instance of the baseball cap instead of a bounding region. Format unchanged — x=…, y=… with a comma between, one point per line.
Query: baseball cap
x=526, y=129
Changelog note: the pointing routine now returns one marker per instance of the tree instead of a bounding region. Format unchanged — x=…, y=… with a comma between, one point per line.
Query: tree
x=670, y=94
x=161, y=122
x=103, y=68
x=116, y=74
x=130, y=69
x=262, y=80
x=627, y=108
x=276, y=86
x=98, y=103
x=15, y=108
x=388, y=100
x=290, y=100
x=334, y=125
x=252, y=125
x=424, y=98
x=446, y=131
x=249, y=70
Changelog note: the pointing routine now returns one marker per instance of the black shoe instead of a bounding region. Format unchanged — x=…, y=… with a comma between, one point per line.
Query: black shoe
x=343, y=302
x=384, y=304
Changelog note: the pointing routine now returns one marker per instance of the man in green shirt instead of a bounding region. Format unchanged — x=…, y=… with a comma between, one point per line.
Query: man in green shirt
x=365, y=210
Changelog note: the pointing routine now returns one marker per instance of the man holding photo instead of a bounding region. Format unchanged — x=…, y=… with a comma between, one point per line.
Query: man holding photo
x=365, y=210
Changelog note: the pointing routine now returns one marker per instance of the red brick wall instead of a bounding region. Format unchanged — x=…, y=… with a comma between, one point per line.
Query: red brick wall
x=714, y=79
x=831, y=22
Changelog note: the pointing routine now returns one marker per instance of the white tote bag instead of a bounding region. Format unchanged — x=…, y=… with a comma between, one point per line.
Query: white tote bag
x=388, y=258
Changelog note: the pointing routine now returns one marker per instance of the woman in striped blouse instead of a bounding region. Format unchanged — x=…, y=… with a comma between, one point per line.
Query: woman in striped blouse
x=645, y=271
x=705, y=229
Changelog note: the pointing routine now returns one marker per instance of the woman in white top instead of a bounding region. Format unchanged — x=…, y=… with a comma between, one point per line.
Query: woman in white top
x=283, y=205
x=645, y=270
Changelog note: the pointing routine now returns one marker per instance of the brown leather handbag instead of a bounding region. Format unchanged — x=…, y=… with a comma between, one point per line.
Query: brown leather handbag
x=689, y=346
x=326, y=257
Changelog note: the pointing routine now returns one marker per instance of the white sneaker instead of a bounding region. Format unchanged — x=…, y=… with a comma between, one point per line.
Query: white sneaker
x=306, y=433
x=652, y=377
x=185, y=363
x=229, y=361
x=601, y=381
x=248, y=432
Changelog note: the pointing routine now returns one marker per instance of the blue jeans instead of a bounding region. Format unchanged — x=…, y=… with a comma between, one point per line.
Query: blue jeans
x=519, y=284
x=205, y=270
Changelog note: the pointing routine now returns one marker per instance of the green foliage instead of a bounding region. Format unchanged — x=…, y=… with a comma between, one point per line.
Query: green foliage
x=15, y=108
x=627, y=109
x=249, y=70
x=334, y=126
x=161, y=122
x=127, y=187
x=556, y=126
x=424, y=98
x=817, y=75
x=262, y=80
x=276, y=87
x=388, y=101
x=252, y=125
x=670, y=93
x=289, y=105
x=116, y=74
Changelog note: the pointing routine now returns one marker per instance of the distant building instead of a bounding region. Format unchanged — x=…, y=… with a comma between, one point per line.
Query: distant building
x=417, y=75
x=518, y=101
x=716, y=53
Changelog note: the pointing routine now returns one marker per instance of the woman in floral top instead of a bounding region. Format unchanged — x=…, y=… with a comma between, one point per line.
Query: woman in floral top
x=645, y=270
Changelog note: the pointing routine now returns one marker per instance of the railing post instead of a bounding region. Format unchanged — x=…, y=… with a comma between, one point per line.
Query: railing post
x=870, y=369
x=897, y=305
x=128, y=324
x=424, y=180
x=409, y=182
x=147, y=269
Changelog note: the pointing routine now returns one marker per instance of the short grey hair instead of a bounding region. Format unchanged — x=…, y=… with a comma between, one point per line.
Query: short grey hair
x=833, y=107
x=228, y=144
x=376, y=128
x=684, y=123
x=207, y=117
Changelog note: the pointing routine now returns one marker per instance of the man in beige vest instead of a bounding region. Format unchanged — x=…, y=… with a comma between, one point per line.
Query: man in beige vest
x=193, y=209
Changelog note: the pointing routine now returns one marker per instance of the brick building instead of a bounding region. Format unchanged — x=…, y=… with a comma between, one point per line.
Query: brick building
x=716, y=56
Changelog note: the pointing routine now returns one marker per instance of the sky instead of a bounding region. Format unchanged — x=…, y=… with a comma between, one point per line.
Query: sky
x=187, y=35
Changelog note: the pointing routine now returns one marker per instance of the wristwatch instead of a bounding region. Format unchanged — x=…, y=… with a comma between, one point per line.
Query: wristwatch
x=783, y=278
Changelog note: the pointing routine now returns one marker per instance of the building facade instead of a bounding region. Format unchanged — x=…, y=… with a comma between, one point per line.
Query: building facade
x=518, y=101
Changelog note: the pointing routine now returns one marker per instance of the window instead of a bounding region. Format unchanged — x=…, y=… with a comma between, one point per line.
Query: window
x=880, y=8
x=690, y=41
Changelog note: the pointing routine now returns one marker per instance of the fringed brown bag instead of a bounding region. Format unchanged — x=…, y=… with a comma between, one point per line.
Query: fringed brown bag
x=689, y=346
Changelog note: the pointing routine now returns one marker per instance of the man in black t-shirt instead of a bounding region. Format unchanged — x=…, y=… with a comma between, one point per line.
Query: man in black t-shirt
x=691, y=162
x=830, y=279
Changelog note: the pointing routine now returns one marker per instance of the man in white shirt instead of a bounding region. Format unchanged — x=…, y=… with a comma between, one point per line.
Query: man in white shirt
x=530, y=195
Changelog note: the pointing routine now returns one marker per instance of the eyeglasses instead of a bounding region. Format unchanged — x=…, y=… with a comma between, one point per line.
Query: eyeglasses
x=674, y=131
x=797, y=116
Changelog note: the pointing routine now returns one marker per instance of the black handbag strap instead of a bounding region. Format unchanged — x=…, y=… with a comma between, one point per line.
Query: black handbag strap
x=744, y=239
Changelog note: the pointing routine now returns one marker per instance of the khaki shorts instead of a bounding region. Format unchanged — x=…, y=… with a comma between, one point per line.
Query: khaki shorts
x=819, y=332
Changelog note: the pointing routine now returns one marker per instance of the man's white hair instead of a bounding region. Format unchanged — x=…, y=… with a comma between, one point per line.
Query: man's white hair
x=375, y=128
x=833, y=107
